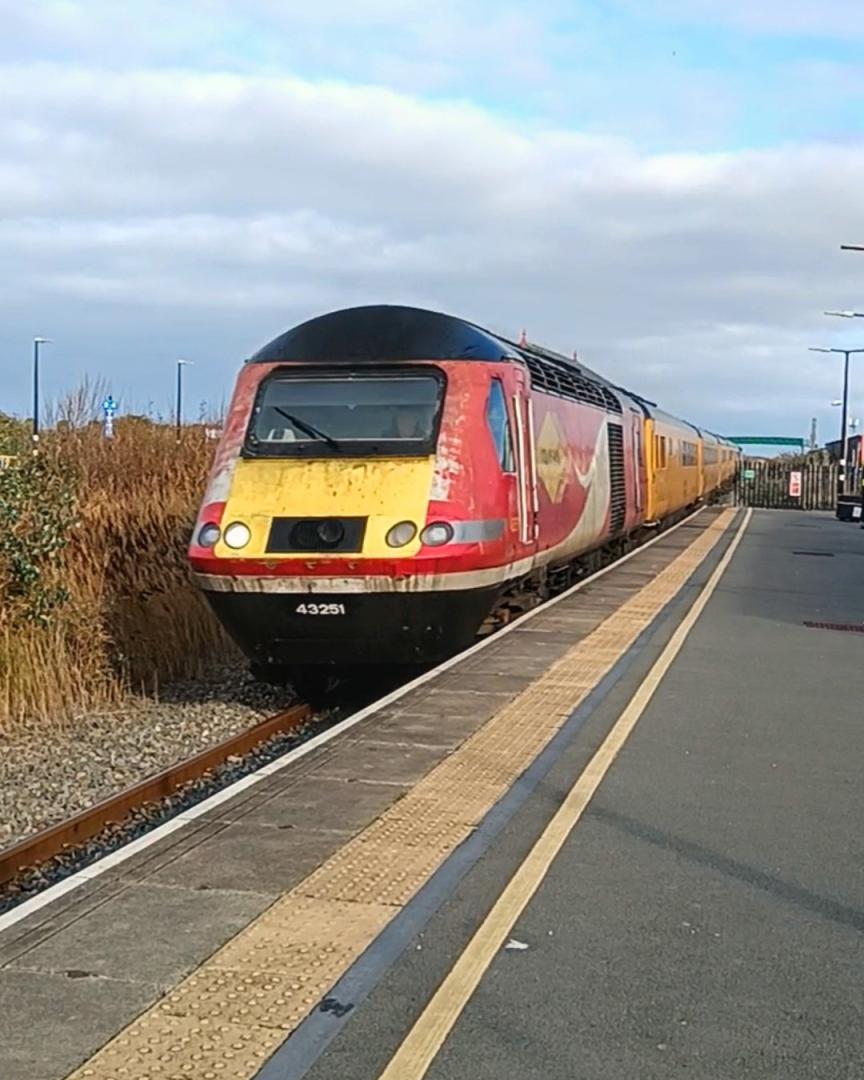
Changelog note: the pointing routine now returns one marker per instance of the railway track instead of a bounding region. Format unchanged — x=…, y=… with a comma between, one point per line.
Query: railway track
x=35, y=853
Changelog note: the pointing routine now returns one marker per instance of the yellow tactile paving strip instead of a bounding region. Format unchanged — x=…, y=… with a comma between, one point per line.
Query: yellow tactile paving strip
x=227, y=1017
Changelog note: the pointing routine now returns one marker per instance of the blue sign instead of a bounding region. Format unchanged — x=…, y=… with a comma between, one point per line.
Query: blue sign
x=109, y=409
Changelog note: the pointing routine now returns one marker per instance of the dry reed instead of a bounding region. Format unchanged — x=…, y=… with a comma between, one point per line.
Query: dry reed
x=131, y=618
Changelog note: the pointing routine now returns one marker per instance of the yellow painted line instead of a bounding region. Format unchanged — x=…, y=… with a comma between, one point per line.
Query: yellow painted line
x=418, y=1051
x=226, y=1017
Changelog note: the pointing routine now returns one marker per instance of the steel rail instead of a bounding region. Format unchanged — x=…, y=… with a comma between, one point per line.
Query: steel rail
x=31, y=852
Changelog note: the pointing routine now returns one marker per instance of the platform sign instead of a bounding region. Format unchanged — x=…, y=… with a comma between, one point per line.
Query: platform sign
x=795, y=485
x=749, y=474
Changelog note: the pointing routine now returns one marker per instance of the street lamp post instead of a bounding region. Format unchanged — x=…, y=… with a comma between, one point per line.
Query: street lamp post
x=179, y=408
x=36, y=343
x=850, y=315
x=841, y=480
x=845, y=434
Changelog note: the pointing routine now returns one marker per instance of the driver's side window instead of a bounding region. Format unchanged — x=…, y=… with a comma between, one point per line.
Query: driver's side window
x=499, y=425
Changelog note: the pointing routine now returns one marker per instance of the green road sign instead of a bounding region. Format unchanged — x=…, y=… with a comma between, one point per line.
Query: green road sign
x=749, y=474
x=765, y=440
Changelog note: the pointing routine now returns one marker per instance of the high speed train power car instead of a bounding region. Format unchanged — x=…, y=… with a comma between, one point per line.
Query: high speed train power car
x=388, y=476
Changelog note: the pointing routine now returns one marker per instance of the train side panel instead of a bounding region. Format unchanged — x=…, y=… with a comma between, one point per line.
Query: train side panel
x=712, y=463
x=730, y=462
x=571, y=446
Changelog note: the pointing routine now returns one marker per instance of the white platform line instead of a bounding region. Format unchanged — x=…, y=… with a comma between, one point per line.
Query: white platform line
x=160, y=832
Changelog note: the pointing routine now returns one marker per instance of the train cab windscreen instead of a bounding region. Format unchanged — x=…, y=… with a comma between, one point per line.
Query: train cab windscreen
x=314, y=415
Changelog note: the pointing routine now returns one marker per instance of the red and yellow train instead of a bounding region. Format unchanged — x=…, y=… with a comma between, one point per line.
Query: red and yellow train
x=387, y=476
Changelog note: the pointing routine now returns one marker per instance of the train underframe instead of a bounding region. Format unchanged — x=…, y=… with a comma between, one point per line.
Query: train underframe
x=306, y=639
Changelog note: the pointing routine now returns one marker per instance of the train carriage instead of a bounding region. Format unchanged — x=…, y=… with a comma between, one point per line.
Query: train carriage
x=387, y=474
x=675, y=479
x=712, y=464
x=730, y=462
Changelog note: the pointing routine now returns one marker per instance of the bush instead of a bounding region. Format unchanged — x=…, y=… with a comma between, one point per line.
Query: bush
x=37, y=515
x=14, y=435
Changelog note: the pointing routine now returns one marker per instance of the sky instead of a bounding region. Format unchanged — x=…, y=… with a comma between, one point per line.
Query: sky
x=661, y=185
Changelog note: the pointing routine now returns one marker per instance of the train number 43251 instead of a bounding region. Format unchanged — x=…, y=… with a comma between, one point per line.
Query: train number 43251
x=320, y=609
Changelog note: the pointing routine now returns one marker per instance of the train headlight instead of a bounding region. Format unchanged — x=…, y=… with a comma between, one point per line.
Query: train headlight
x=209, y=535
x=237, y=535
x=436, y=534
x=401, y=534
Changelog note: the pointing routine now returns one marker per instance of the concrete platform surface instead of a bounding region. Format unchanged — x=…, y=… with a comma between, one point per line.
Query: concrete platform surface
x=705, y=918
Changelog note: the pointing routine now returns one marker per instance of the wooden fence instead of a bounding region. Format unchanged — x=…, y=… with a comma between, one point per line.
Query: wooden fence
x=789, y=484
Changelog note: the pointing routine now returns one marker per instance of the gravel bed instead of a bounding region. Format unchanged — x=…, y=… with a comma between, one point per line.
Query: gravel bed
x=45, y=777
x=142, y=820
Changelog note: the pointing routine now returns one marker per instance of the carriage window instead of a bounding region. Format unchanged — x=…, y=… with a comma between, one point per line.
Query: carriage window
x=324, y=415
x=499, y=425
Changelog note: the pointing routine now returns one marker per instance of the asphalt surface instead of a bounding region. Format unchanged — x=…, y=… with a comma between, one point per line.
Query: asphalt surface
x=705, y=917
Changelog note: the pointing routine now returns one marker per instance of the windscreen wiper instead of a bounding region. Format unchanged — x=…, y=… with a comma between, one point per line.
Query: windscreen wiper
x=308, y=429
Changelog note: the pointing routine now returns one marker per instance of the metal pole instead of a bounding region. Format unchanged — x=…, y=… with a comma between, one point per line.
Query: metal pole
x=861, y=485
x=841, y=482
x=813, y=433
x=35, y=394
x=179, y=396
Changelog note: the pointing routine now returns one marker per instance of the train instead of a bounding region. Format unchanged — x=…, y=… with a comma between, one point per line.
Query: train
x=388, y=478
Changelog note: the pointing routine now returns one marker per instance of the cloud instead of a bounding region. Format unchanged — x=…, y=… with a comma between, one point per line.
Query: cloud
x=163, y=212
x=830, y=18
x=660, y=74
x=406, y=43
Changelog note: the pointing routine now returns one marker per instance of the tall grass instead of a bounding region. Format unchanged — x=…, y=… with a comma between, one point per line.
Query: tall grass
x=103, y=604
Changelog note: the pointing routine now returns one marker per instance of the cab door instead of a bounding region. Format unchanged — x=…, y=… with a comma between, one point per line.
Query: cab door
x=640, y=470
x=526, y=466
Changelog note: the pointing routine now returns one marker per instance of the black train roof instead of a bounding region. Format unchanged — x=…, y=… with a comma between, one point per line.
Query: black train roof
x=382, y=333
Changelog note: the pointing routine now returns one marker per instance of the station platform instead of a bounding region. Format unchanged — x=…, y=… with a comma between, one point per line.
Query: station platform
x=622, y=839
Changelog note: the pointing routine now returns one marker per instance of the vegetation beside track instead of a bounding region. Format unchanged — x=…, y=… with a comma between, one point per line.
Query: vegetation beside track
x=95, y=598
